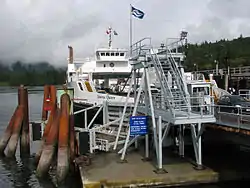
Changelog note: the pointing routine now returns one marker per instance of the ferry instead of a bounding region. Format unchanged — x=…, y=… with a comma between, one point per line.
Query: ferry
x=106, y=76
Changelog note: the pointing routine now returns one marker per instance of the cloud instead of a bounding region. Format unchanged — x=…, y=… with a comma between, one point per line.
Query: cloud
x=224, y=19
x=41, y=30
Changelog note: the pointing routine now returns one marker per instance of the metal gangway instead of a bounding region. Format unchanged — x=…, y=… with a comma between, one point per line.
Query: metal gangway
x=172, y=106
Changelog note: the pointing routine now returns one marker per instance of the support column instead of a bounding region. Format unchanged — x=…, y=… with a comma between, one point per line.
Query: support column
x=123, y=116
x=181, y=141
x=135, y=88
x=159, y=169
x=199, y=161
x=127, y=143
x=146, y=158
x=196, y=138
x=152, y=112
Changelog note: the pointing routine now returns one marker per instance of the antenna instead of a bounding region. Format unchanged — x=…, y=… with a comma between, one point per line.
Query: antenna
x=110, y=31
x=110, y=37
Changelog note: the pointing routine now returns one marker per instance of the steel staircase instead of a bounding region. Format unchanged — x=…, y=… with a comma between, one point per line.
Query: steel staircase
x=177, y=90
x=105, y=137
x=176, y=95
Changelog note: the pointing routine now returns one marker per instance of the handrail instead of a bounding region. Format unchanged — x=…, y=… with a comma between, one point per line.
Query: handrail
x=163, y=78
x=181, y=85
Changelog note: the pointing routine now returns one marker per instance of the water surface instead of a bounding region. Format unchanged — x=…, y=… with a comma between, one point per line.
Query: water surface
x=21, y=173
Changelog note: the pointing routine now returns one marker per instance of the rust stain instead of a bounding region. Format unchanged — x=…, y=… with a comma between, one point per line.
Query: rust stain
x=52, y=137
x=49, y=149
x=7, y=133
x=45, y=134
x=64, y=122
x=13, y=141
x=25, y=138
x=63, y=145
x=53, y=101
x=45, y=96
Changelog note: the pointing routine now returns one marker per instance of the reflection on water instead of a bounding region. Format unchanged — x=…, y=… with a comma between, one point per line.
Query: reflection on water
x=21, y=173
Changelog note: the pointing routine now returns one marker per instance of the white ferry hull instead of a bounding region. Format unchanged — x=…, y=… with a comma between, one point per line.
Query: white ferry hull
x=84, y=99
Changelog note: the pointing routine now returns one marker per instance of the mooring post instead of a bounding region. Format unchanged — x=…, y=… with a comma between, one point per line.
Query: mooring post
x=25, y=138
x=7, y=134
x=45, y=134
x=49, y=148
x=63, y=145
x=53, y=101
x=16, y=129
x=45, y=97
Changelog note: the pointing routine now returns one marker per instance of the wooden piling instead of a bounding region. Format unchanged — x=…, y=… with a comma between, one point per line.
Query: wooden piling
x=25, y=135
x=45, y=134
x=16, y=129
x=53, y=101
x=7, y=133
x=45, y=96
x=49, y=148
x=49, y=92
x=63, y=145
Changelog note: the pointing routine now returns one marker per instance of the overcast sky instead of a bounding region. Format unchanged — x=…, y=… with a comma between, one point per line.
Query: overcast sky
x=36, y=30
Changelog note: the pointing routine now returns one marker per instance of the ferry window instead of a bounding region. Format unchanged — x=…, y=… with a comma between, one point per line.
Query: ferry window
x=102, y=54
x=121, y=54
x=112, y=54
x=116, y=54
x=80, y=86
x=107, y=54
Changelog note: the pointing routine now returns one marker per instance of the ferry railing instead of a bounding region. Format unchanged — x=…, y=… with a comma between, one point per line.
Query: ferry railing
x=85, y=111
x=233, y=116
x=198, y=105
x=139, y=46
x=106, y=128
x=233, y=71
x=245, y=93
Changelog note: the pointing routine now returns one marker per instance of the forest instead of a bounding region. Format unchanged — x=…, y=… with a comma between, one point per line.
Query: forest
x=35, y=74
x=233, y=53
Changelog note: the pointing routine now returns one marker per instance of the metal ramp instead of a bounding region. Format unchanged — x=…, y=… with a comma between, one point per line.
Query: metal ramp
x=172, y=106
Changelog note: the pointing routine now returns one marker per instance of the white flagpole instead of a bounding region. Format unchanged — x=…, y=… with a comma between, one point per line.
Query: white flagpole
x=130, y=30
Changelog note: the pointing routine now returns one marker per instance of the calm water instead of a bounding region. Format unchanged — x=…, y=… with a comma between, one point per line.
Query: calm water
x=21, y=174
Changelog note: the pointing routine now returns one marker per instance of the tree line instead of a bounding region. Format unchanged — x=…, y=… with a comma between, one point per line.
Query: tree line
x=232, y=53
x=37, y=74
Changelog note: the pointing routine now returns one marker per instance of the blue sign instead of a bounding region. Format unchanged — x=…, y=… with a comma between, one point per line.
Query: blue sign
x=138, y=125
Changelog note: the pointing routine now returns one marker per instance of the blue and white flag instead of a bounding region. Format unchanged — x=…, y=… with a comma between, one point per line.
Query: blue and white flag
x=137, y=13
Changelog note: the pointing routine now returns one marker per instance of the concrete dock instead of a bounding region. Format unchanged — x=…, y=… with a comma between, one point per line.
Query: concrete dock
x=107, y=171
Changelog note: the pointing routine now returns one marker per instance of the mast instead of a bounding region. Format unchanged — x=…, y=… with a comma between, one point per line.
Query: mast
x=110, y=32
x=110, y=37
